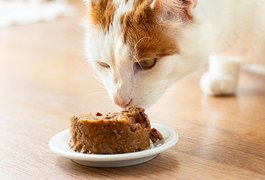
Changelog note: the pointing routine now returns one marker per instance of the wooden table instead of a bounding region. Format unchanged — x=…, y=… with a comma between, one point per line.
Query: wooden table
x=44, y=80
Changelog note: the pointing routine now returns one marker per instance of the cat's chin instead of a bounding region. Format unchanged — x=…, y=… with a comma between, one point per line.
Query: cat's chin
x=133, y=103
x=143, y=104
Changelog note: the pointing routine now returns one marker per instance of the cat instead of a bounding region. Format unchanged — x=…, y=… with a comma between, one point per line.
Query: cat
x=139, y=48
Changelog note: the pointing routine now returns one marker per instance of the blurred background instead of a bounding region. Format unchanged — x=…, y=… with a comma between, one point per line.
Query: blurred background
x=18, y=12
x=42, y=59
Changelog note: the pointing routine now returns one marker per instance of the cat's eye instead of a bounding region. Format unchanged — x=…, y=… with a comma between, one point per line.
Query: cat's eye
x=147, y=64
x=103, y=64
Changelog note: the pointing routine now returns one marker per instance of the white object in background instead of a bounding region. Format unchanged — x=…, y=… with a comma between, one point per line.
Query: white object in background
x=255, y=68
x=25, y=12
x=222, y=76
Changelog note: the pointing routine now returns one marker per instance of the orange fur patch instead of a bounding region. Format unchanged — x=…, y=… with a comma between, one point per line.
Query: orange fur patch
x=146, y=37
x=102, y=13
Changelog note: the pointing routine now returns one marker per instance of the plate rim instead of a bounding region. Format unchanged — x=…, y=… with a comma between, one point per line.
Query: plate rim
x=173, y=140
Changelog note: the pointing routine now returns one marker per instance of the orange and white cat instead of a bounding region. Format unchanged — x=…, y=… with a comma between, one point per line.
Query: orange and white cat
x=139, y=48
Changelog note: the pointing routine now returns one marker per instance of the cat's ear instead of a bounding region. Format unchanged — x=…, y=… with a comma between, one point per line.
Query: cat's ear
x=176, y=10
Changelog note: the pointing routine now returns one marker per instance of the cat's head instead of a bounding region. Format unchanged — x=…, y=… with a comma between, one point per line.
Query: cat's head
x=138, y=47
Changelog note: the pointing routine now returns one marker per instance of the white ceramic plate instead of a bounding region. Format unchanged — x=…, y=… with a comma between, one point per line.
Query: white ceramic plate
x=59, y=145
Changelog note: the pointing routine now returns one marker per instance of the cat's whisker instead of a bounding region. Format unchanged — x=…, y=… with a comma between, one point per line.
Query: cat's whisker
x=136, y=44
x=136, y=59
x=136, y=49
x=98, y=79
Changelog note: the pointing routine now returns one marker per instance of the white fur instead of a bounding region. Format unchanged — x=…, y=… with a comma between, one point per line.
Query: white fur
x=224, y=30
x=222, y=77
x=110, y=49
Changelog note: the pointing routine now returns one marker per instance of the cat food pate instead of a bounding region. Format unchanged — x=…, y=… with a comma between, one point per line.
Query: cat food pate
x=113, y=133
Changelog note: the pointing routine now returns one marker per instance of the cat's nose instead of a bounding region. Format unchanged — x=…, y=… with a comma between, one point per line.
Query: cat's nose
x=122, y=102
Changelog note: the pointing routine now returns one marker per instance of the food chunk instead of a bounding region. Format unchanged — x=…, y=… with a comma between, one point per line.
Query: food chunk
x=155, y=135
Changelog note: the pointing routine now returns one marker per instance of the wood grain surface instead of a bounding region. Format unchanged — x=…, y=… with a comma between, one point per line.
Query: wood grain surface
x=44, y=80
